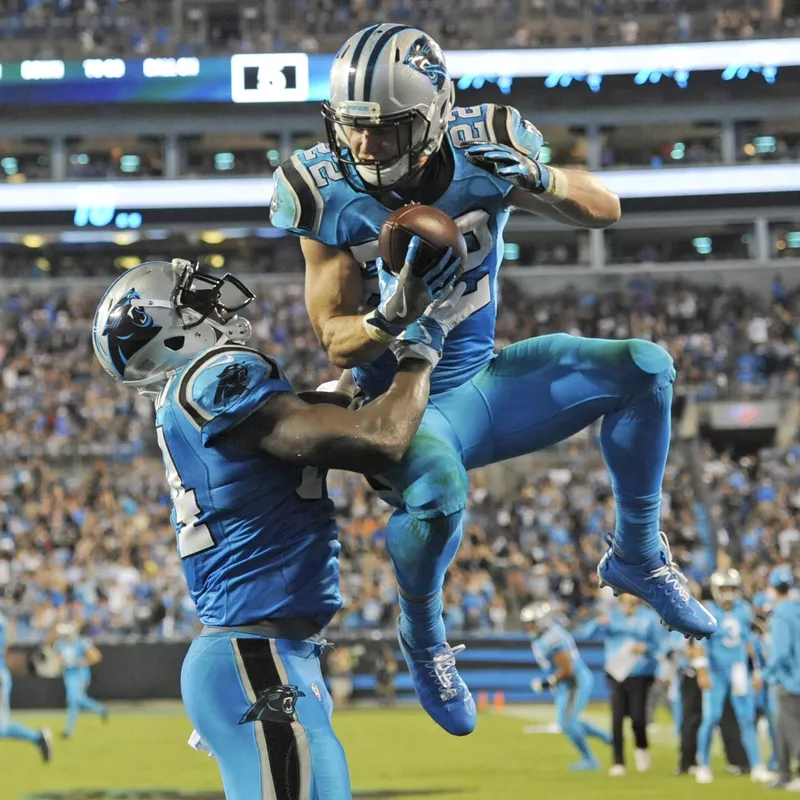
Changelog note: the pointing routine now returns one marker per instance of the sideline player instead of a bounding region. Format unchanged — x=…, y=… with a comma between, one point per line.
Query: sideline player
x=722, y=672
x=13, y=730
x=567, y=675
x=245, y=460
x=395, y=137
x=77, y=655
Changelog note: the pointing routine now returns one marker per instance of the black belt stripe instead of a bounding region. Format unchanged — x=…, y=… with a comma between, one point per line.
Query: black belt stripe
x=183, y=400
x=351, y=76
x=500, y=125
x=375, y=54
x=305, y=197
x=284, y=761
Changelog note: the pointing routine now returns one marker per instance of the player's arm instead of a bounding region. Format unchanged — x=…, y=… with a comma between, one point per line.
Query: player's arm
x=573, y=197
x=93, y=656
x=334, y=290
x=369, y=440
x=698, y=658
x=781, y=657
x=570, y=196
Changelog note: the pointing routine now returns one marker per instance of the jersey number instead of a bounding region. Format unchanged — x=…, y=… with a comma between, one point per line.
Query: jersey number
x=733, y=632
x=322, y=172
x=471, y=127
x=193, y=536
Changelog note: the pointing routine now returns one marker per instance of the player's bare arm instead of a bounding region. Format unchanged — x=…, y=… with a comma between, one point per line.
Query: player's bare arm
x=588, y=202
x=369, y=440
x=334, y=290
x=564, y=668
x=569, y=196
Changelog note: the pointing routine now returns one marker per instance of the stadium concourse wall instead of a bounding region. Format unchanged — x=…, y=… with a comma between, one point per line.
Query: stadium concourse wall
x=151, y=671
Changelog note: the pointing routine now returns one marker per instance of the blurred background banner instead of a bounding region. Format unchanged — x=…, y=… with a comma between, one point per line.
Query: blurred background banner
x=302, y=77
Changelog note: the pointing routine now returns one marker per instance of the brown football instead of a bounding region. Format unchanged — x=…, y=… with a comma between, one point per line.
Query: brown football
x=436, y=230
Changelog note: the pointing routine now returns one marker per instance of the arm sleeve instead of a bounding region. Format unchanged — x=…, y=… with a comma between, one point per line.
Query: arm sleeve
x=225, y=386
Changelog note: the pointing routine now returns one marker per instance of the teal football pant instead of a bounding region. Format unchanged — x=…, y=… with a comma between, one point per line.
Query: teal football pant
x=532, y=395
x=262, y=708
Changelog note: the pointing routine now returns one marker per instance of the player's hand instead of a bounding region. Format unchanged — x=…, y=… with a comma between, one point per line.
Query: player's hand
x=537, y=687
x=704, y=681
x=406, y=296
x=425, y=337
x=758, y=682
x=504, y=162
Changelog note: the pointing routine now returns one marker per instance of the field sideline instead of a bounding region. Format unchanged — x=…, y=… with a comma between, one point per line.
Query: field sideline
x=392, y=753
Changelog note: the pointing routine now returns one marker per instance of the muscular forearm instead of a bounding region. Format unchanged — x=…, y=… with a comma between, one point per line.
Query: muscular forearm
x=579, y=199
x=347, y=343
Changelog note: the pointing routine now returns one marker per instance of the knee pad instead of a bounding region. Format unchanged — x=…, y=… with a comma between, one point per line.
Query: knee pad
x=439, y=489
x=650, y=357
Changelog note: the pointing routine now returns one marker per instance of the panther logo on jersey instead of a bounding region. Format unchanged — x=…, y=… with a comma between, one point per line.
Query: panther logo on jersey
x=426, y=57
x=128, y=328
x=232, y=383
x=275, y=704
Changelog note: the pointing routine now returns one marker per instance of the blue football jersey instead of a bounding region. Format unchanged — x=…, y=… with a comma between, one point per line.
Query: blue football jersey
x=555, y=640
x=256, y=535
x=728, y=646
x=313, y=199
x=73, y=652
x=3, y=640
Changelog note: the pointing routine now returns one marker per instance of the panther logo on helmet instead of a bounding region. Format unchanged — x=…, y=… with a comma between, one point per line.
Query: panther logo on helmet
x=426, y=57
x=128, y=328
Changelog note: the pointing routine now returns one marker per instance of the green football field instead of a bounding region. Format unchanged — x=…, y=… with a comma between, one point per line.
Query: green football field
x=392, y=753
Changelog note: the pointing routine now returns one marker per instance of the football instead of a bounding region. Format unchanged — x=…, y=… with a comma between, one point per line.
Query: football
x=436, y=230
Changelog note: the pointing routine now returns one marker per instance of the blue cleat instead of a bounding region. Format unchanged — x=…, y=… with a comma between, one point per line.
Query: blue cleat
x=585, y=765
x=439, y=687
x=659, y=583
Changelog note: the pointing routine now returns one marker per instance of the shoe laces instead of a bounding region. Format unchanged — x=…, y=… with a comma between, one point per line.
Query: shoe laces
x=670, y=574
x=441, y=668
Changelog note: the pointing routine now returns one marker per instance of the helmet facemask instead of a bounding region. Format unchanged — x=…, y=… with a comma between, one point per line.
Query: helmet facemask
x=409, y=132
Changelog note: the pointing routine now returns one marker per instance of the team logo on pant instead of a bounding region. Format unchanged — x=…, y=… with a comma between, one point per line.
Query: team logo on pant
x=275, y=704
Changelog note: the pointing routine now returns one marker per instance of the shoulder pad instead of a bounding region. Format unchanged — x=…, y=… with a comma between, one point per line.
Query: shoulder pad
x=510, y=129
x=301, y=185
x=494, y=123
x=225, y=385
x=555, y=638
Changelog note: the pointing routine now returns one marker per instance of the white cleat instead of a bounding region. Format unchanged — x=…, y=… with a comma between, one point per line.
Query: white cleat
x=704, y=775
x=617, y=770
x=760, y=774
x=793, y=786
x=642, y=759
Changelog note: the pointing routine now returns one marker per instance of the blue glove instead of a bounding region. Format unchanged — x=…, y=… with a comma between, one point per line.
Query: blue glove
x=504, y=162
x=406, y=296
x=425, y=337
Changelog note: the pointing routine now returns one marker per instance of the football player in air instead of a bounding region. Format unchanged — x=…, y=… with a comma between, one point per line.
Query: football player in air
x=9, y=729
x=77, y=655
x=245, y=460
x=395, y=137
x=567, y=676
x=723, y=671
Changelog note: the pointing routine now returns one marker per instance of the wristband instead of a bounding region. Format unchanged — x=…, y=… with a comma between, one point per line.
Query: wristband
x=556, y=185
x=699, y=663
x=376, y=333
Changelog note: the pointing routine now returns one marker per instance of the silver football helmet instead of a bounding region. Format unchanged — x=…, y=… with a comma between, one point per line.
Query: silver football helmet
x=537, y=616
x=156, y=317
x=726, y=586
x=393, y=78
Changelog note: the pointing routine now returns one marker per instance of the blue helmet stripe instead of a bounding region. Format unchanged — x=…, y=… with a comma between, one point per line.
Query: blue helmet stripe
x=375, y=54
x=351, y=77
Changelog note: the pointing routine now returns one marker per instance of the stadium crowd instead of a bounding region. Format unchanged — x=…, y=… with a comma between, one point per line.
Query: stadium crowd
x=84, y=506
x=103, y=28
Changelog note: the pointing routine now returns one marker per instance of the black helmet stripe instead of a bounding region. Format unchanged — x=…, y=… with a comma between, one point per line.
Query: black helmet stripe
x=372, y=59
x=351, y=76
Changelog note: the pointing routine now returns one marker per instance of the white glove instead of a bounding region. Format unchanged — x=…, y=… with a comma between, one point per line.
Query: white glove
x=425, y=338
